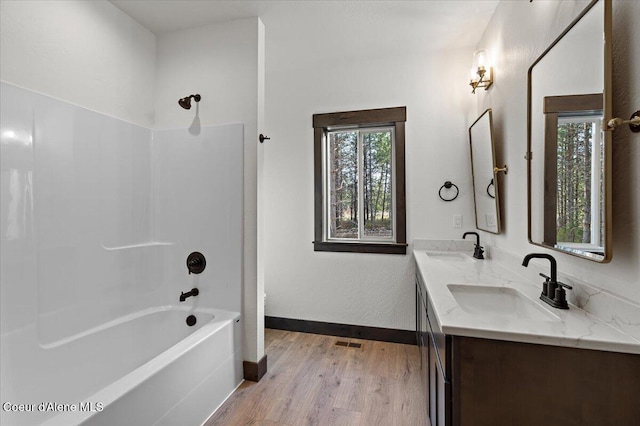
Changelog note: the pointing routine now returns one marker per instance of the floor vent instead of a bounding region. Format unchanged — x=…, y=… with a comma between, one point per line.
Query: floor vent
x=348, y=344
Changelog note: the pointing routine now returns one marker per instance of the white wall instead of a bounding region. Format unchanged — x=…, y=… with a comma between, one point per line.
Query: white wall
x=85, y=52
x=518, y=33
x=363, y=289
x=221, y=63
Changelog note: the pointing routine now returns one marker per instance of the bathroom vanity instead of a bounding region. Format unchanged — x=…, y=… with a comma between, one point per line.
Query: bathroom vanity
x=492, y=353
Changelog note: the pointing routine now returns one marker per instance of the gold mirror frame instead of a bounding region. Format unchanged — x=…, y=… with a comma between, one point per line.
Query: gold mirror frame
x=607, y=154
x=480, y=187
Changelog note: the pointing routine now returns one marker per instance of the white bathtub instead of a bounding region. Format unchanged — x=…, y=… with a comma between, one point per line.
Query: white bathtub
x=148, y=368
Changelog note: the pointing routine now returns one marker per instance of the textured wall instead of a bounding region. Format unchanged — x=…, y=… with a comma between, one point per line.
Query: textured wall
x=353, y=288
x=518, y=33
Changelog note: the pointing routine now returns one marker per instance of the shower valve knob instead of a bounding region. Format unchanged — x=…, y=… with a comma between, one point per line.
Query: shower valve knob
x=196, y=262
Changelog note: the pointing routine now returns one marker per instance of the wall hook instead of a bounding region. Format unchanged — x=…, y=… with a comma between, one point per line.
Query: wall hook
x=263, y=138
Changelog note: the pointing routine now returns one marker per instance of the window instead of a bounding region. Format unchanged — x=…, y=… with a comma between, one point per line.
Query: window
x=580, y=180
x=359, y=181
x=574, y=160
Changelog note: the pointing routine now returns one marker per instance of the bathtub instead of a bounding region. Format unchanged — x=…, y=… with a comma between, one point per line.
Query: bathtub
x=148, y=368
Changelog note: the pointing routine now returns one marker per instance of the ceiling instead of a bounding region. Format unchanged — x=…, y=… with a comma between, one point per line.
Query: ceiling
x=323, y=28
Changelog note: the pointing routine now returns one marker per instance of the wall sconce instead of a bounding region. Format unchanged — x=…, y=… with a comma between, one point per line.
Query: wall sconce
x=481, y=73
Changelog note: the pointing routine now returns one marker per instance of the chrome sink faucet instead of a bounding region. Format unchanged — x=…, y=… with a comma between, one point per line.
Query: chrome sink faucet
x=553, y=292
x=478, y=252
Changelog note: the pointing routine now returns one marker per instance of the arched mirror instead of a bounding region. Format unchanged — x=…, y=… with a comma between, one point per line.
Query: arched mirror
x=569, y=146
x=485, y=183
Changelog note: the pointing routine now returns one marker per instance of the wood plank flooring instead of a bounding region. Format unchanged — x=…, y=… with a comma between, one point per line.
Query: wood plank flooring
x=311, y=381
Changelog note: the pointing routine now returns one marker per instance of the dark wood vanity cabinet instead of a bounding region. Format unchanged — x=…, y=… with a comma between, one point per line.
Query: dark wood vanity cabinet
x=476, y=382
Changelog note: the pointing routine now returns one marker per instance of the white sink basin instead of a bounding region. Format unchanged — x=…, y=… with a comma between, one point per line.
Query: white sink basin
x=504, y=302
x=449, y=256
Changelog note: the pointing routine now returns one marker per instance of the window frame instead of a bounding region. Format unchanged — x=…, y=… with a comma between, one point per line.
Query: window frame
x=362, y=119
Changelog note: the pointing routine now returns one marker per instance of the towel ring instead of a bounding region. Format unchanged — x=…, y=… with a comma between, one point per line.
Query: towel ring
x=448, y=184
x=494, y=189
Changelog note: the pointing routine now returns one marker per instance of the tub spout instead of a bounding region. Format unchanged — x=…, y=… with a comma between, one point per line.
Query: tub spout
x=184, y=296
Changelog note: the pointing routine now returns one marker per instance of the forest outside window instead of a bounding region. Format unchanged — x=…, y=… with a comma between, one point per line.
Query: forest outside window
x=580, y=192
x=574, y=159
x=359, y=181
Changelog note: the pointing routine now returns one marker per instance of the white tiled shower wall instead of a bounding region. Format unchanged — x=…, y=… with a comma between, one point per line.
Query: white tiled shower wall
x=98, y=215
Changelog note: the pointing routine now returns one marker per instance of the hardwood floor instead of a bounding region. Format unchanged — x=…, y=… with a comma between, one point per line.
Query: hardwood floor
x=311, y=381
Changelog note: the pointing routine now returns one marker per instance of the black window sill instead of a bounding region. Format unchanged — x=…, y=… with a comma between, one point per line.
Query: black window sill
x=386, y=248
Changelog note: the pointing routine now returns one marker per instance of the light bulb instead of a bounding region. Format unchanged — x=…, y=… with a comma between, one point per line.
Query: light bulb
x=481, y=58
x=473, y=74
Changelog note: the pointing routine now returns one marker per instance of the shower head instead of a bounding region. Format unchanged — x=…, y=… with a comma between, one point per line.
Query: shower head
x=186, y=101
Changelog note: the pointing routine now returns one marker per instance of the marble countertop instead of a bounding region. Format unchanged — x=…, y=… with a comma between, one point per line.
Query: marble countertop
x=573, y=327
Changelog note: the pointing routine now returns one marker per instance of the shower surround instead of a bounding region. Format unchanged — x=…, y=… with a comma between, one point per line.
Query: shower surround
x=98, y=217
